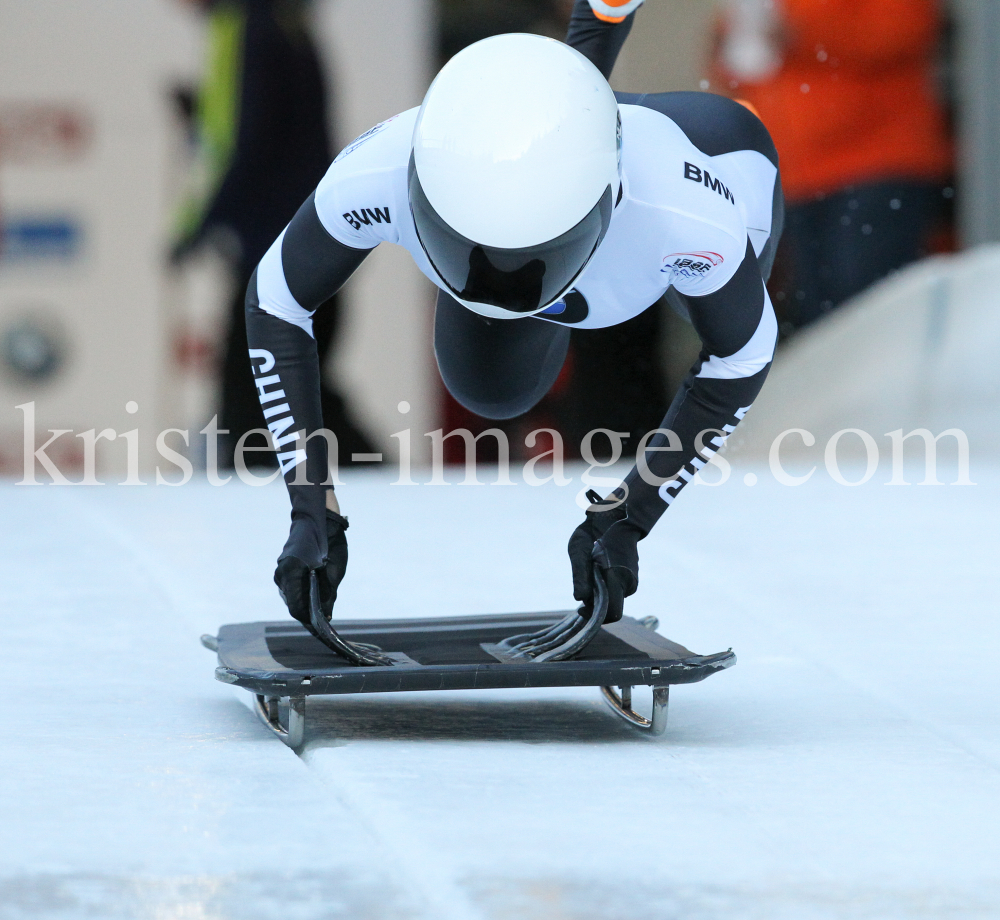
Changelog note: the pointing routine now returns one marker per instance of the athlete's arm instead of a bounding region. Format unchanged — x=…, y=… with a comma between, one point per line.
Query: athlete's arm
x=305, y=267
x=598, y=29
x=738, y=330
x=347, y=216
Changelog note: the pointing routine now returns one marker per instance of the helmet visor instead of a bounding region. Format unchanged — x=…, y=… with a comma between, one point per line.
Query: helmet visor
x=520, y=280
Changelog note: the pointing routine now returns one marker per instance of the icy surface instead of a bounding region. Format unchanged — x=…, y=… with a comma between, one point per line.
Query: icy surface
x=847, y=767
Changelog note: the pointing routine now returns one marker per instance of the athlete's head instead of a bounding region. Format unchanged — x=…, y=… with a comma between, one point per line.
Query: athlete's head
x=514, y=172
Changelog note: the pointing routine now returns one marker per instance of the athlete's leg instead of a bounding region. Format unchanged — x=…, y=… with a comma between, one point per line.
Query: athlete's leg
x=497, y=368
x=597, y=40
x=714, y=124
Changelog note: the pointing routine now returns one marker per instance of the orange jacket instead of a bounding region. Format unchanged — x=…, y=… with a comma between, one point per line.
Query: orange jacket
x=854, y=98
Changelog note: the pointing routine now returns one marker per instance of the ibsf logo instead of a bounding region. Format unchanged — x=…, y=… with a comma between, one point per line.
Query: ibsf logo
x=691, y=264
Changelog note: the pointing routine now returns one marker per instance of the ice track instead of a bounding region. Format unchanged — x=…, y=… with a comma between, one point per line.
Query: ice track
x=848, y=767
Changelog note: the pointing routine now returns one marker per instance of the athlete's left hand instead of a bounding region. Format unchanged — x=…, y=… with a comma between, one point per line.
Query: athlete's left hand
x=292, y=574
x=607, y=540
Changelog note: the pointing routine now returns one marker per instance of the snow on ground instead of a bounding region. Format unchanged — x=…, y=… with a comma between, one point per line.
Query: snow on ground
x=847, y=767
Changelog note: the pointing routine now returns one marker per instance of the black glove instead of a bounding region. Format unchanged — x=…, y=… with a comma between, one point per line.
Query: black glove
x=292, y=574
x=606, y=539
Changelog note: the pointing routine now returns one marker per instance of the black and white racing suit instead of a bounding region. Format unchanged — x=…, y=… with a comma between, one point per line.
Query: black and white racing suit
x=698, y=220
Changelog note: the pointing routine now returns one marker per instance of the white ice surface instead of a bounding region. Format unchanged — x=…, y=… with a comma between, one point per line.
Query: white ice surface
x=847, y=767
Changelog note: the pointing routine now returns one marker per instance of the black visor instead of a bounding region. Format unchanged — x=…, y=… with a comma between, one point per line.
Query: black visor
x=519, y=280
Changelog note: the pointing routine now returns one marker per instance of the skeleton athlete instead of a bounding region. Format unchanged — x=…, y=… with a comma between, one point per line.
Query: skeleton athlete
x=537, y=200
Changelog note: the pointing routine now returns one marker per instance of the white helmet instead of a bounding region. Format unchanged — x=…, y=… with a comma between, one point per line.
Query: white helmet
x=513, y=173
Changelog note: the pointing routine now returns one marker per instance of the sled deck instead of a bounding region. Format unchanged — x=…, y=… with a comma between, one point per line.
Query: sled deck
x=281, y=664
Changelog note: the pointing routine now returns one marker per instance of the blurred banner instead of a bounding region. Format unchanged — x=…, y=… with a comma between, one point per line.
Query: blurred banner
x=93, y=161
x=85, y=161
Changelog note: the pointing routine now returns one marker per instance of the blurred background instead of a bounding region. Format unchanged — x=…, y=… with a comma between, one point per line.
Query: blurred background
x=131, y=212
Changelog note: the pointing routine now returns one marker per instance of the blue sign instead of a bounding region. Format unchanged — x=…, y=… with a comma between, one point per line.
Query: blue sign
x=40, y=238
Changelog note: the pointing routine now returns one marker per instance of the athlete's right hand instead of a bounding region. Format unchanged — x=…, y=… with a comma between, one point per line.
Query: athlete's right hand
x=292, y=574
x=607, y=540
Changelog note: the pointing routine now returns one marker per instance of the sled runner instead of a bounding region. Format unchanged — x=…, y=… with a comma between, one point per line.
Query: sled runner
x=282, y=664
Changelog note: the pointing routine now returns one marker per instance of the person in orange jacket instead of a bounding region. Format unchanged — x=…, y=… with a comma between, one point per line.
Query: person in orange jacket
x=847, y=90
